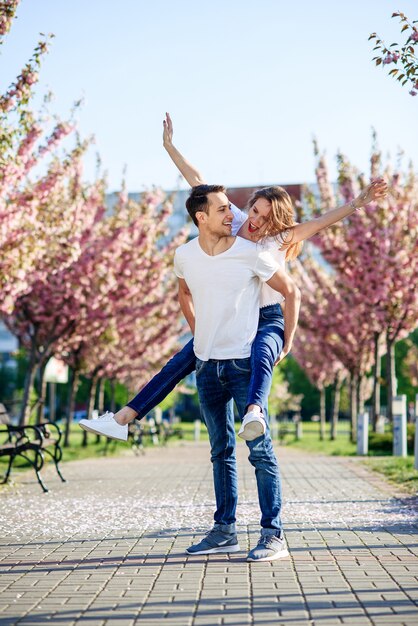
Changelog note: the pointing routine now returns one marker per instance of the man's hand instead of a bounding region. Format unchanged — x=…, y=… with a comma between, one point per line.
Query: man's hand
x=168, y=131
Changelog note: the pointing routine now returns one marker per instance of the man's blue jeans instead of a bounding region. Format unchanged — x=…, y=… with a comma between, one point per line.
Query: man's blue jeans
x=266, y=347
x=219, y=383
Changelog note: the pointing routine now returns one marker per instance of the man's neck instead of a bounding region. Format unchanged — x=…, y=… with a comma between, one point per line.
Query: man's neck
x=214, y=244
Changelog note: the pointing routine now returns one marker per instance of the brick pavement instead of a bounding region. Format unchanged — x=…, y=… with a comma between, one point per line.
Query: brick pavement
x=107, y=548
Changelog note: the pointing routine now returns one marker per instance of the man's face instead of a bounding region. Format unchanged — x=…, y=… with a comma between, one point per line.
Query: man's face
x=218, y=220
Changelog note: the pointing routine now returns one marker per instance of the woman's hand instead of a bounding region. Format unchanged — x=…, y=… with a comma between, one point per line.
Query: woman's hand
x=376, y=190
x=190, y=173
x=284, y=352
x=168, y=131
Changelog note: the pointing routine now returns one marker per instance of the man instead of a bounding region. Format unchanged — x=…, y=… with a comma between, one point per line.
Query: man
x=219, y=285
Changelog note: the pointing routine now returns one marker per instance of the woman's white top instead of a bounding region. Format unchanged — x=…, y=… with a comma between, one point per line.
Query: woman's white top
x=274, y=246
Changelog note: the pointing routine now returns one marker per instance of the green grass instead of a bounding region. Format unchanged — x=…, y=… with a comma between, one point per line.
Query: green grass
x=379, y=444
x=397, y=470
x=310, y=441
x=188, y=431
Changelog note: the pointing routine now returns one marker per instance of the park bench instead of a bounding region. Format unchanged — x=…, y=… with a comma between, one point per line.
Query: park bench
x=30, y=442
x=51, y=438
x=166, y=430
x=286, y=428
x=158, y=433
x=20, y=441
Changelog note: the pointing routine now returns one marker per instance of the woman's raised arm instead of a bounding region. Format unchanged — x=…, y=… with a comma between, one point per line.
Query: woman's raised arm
x=376, y=190
x=190, y=173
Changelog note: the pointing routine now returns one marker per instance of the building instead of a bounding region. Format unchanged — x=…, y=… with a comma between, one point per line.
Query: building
x=8, y=345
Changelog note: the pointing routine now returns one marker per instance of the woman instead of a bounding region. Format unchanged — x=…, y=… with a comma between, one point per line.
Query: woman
x=270, y=223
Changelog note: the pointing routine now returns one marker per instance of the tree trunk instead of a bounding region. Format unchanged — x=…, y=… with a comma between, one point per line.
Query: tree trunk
x=100, y=395
x=336, y=406
x=112, y=396
x=90, y=407
x=41, y=392
x=52, y=402
x=322, y=414
x=392, y=384
x=92, y=396
x=376, y=382
x=360, y=394
x=100, y=400
x=353, y=406
x=72, y=392
x=29, y=380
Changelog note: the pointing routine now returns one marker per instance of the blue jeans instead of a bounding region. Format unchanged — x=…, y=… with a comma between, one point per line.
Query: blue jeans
x=266, y=347
x=218, y=384
x=154, y=392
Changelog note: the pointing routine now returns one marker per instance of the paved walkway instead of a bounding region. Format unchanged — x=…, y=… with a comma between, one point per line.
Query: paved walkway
x=107, y=547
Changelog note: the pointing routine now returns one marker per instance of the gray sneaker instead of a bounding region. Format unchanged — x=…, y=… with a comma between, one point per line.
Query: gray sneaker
x=269, y=547
x=222, y=538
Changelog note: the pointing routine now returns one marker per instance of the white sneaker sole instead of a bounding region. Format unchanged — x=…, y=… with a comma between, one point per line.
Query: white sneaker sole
x=275, y=557
x=96, y=431
x=219, y=550
x=251, y=431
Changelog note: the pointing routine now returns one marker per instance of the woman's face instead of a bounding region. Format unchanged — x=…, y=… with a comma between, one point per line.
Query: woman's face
x=258, y=217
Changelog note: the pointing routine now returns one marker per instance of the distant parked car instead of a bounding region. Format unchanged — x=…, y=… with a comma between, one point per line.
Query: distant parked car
x=79, y=415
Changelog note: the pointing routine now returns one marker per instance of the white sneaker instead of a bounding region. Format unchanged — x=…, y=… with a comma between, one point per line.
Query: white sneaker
x=253, y=426
x=106, y=425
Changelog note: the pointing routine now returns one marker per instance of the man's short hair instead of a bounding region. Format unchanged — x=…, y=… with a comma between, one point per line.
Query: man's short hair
x=198, y=199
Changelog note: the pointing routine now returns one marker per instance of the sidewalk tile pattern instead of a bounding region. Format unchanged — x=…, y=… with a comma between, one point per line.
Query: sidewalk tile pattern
x=108, y=547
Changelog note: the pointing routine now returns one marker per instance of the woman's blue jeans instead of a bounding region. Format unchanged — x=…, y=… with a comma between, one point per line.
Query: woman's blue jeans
x=219, y=383
x=266, y=347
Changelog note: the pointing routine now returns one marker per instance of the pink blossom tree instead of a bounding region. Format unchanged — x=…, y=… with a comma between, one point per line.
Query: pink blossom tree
x=38, y=227
x=42, y=316
x=68, y=277
x=407, y=71
x=129, y=315
x=373, y=255
x=7, y=12
x=326, y=346
x=316, y=357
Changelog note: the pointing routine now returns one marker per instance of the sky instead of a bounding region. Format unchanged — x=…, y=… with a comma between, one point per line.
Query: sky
x=248, y=84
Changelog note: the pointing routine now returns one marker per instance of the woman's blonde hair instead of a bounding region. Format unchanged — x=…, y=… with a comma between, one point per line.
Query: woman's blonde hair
x=280, y=219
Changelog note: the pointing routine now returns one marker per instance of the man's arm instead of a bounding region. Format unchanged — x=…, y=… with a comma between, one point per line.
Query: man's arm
x=281, y=282
x=190, y=173
x=186, y=303
x=376, y=190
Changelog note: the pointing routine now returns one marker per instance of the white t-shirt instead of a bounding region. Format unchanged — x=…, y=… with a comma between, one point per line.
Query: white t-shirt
x=272, y=245
x=226, y=295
